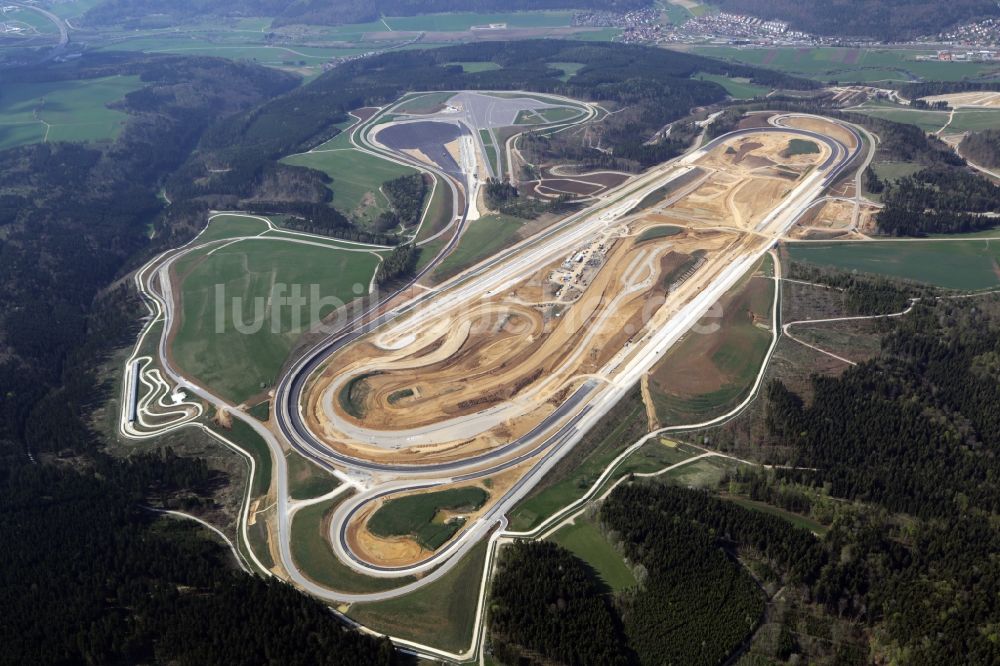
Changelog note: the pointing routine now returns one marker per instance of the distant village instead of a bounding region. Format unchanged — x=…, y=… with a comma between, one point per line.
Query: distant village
x=972, y=42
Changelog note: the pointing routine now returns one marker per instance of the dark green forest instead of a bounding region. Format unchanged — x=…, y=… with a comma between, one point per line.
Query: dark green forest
x=886, y=20
x=904, y=448
x=937, y=200
x=694, y=603
x=546, y=601
x=913, y=433
x=89, y=575
x=407, y=195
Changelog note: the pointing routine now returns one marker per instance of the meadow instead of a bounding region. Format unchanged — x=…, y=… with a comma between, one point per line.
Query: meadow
x=736, y=88
x=706, y=374
x=965, y=264
x=440, y=614
x=584, y=539
x=63, y=110
x=357, y=177
x=416, y=515
x=852, y=64
x=239, y=365
x=482, y=239
x=314, y=556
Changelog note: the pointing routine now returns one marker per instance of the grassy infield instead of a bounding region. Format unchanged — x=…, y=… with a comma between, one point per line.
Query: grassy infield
x=239, y=365
x=418, y=516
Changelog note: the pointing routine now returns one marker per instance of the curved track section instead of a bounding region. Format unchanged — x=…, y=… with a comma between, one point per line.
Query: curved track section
x=550, y=439
x=536, y=451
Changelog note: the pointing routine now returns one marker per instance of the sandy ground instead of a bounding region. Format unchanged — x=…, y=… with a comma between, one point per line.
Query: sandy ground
x=517, y=354
x=986, y=100
x=401, y=551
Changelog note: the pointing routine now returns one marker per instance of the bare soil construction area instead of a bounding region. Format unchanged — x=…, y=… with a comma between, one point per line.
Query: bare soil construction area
x=982, y=99
x=441, y=384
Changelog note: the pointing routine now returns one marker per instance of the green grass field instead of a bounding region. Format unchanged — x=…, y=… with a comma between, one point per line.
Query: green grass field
x=655, y=455
x=314, y=555
x=929, y=121
x=34, y=20
x=569, y=69
x=306, y=479
x=801, y=147
x=236, y=364
x=574, y=484
x=795, y=519
x=585, y=540
x=661, y=231
x=676, y=14
x=892, y=171
x=708, y=373
x=440, y=614
x=704, y=473
x=735, y=87
x=461, y=21
x=475, y=66
x=850, y=65
x=974, y=120
x=232, y=226
x=417, y=515
x=559, y=114
x=438, y=211
x=357, y=177
x=483, y=238
x=960, y=264
x=62, y=110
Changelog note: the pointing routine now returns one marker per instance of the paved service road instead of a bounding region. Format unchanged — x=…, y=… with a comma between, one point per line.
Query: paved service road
x=548, y=441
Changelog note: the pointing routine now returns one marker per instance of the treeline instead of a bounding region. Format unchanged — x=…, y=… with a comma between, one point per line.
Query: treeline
x=317, y=219
x=545, y=601
x=399, y=263
x=694, y=603
x=406, y=194
x=915, y=431
x=938, y=200
x=914, y=91
x=983, y=148
x=89, y=577
x=151, y=13
x=651, y=85
x=887, y=20
x=923, y=426
x=863, y=295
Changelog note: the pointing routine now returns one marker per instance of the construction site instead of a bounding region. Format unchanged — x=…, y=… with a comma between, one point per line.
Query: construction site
x=468, y=377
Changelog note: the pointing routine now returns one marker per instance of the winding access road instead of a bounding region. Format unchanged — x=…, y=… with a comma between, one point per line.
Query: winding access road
x=547, y=442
